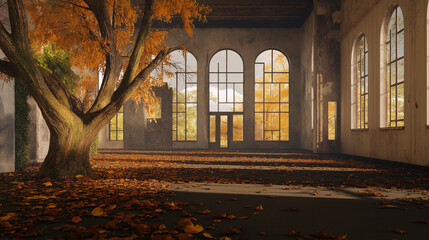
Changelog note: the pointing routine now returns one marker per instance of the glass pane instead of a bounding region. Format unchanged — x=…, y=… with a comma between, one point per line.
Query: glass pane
x=393, y=103
x=393, y=73
x=235, y=64
x=213, y=77
x=212, y=128
x=238, y=107
x=284, y=92
x=280, y=62
x=259, y=92
x=222, y=77
x=113, y=123
x=281, y=77
x=120, y=121
x=191, y=78
x=235, y=77
x=174, y=119
x=268, y=77
x=259, y=72
x=265, y=57
x=272, y=92
x=230, y=92
x=271, y=107
x=223, y=131
x=120, y=135
x=332, y=115
x=401, y=101
x=400, y=19
x=401, y=70
x=237, y=128
x=222, y=92
x=239, y=93
x=113, y=135
x=401, y=44
x=181, y=128
x=191, y=122
x=226, y=107
x=218, y=62
x=284, y=107
x=191, y=62
x=259, y=126
x=191, y=95
x=284, y=126
x=272, y=121
x=259, y=107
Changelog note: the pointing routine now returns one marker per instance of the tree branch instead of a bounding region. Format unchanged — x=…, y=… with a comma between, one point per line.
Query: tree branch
x=19, y=25
x=113, y=58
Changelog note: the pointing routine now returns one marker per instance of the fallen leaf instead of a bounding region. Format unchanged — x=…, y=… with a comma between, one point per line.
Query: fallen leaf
x=207, y=235
x=76, y=219
x=47, y=184
x=225, y=238
x=263, y=233
x=97, y=212
x=7, y=216
x=79, y=176
x=294, y=233
x=399, y=231
x=194, y=229
x=259, y=208
x=111, y=207
x=205, y=211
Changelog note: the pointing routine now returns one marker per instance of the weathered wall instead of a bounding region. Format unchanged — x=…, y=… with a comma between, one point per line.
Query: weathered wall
x=307, y=76
x=408, y=145
x=38, y=133
x=7, y=113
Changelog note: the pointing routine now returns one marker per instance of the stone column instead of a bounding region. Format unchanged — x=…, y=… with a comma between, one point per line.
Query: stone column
x=327, y=75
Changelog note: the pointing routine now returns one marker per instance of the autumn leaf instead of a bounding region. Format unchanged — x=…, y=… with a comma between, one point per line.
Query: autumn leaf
x=76, y=219
x=399, y=231
x=205, y=211
x=39, y=197
x=194, y=229
x=259, y=208
x=111, y=207
x=7, y=216
x=294, y=233
x=225, y=238
x=79, y=176
x=183, y=223
x=47, y=184
x=207, y=235
x=97, y=212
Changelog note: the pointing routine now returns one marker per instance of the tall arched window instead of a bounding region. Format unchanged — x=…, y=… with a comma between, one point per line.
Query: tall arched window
x=394, y=71
x=226, y=98
x=359, y=93
x=181, y=75
x=271, y=96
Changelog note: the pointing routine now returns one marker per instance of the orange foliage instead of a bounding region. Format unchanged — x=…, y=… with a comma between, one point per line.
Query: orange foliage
x=73, y=27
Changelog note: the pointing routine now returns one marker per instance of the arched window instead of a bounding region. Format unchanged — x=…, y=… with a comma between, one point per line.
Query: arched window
x=181, y=76
x=359, y=93
x=394, y=70
x=271, y=96
x=226, y=97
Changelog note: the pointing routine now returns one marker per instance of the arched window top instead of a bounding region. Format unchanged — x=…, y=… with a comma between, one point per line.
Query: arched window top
x=273, y=60
x=226, y=61
x=396, y=21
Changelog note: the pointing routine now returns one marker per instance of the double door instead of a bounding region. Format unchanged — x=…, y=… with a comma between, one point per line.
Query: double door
x=225, y=130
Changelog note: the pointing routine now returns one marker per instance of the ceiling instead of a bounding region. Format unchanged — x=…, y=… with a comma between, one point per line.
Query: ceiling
x=257, y=13
x=251, y=14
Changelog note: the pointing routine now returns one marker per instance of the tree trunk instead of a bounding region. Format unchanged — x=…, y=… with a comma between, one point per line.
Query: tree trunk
x=68, y=154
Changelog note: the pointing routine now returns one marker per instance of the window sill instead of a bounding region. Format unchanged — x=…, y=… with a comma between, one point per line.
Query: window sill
x=392, y=128
x=360, y=130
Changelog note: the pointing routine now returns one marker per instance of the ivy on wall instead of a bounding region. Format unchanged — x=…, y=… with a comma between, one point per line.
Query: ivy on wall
x=22, y=109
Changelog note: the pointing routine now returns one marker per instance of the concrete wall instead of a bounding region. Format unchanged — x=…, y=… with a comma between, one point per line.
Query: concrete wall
x=7, y=126
x=7, y=113
x=408, y=145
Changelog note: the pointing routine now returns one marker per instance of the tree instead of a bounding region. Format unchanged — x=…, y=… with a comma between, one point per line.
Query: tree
x=100, y=35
